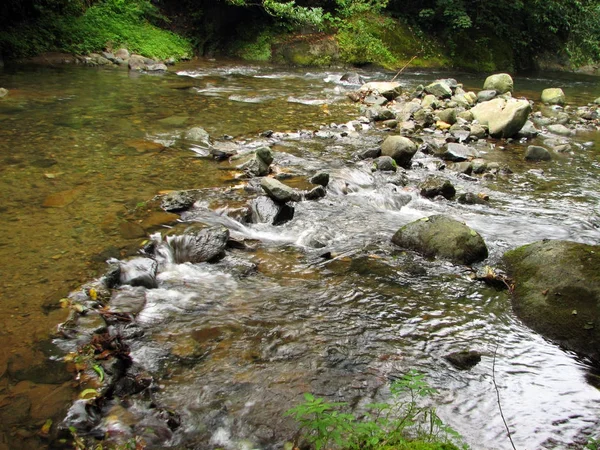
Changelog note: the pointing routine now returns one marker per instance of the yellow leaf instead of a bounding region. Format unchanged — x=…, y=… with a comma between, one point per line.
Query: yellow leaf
x=93, y=294
x=46, y=427
x=89, y=393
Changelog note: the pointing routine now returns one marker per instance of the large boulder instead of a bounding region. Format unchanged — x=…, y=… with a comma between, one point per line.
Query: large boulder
x=500, y=82
x=553, y=96
x=443, y=237
x=557, y=292
x=400, y=148
x=388, y=89
x=504, y=118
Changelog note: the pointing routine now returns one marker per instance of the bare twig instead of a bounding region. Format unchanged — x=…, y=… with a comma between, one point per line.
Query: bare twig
x=405, y=66
x=498, y=397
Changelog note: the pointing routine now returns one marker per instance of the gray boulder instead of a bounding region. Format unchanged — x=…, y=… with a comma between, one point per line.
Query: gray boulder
x=486, y=95
x=442, y=237
x=500, y=82
x=400, y=148
x=379, y=113
x=528, y=131
x=388, y=89
x=266, y=210
x=434, y=186
x=279, y=191
x=456, y=152
x=439, y=88
x=198, y=244
x=158, y=67
x=553, y=96
x=557, y=292
x=537, y=153
x=504, y=118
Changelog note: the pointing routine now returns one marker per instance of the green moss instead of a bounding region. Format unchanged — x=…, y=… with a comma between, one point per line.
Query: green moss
x=107, y=24
x=255, y=49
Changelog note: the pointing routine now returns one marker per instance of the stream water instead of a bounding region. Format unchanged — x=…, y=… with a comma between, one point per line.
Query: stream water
x=82, y=152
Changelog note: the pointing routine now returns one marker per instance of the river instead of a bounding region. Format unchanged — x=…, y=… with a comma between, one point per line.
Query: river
x=83, y=151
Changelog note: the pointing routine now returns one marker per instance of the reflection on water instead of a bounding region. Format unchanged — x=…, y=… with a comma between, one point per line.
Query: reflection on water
x=83, y=150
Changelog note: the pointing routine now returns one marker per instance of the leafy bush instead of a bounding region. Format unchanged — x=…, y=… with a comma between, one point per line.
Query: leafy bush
x=403, y=424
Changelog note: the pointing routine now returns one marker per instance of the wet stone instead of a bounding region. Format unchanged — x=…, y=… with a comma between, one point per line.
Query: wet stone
x=464, y=360
x=197, y=244
x=177, y=201
x=369, y=153
x=315, y=193
x=434, y=186
x=456, y=152
x=266, y=210
x=320, y=178
x=537, y=153
x=279, y=191
x=139, y=272
x=385, y=164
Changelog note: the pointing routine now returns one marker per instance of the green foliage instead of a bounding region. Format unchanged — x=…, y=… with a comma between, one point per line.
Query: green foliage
x=593, y=444
x=105, y=25
x=402, y=424
x=257, y=49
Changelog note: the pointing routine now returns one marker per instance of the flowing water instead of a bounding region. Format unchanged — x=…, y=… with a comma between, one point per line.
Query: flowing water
x=82, y=152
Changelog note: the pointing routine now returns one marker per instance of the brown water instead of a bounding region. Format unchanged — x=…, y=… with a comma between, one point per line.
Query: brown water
x=83, y=149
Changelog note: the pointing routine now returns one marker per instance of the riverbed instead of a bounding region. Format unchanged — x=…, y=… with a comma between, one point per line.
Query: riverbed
x=83, y=150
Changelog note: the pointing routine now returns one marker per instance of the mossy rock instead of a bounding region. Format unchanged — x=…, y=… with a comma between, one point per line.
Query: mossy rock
x=557, y=292
x=306, y=50
x=443, y=237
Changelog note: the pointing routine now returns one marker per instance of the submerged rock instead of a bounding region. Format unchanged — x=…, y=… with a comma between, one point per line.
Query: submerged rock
x=557, y=292
x=537, y=153
x=464, y=360
x=443, y=237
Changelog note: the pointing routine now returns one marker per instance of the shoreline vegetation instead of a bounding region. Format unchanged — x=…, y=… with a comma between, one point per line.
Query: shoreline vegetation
x=451, y=34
